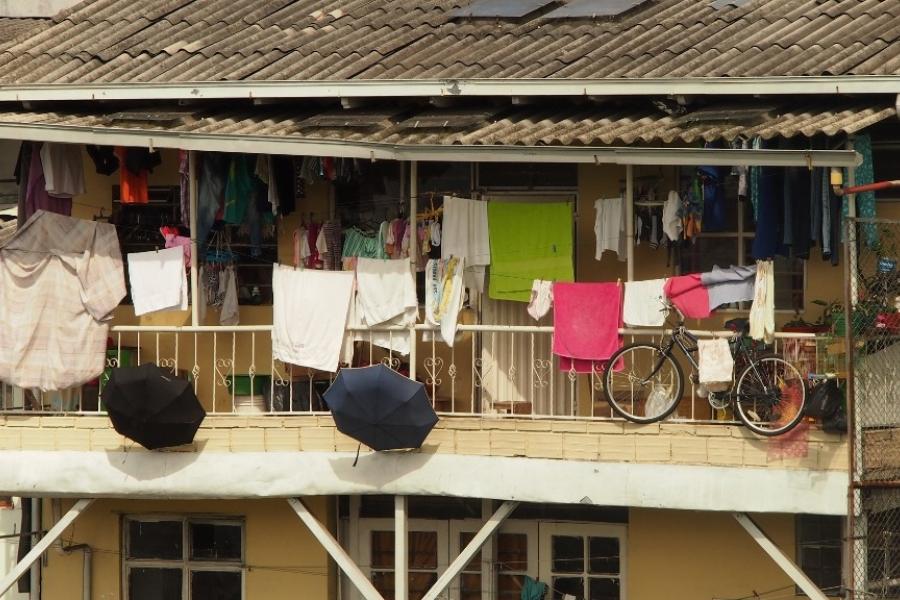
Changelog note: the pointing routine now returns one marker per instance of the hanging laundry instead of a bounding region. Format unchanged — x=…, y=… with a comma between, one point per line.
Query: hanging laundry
x=715, y=364
x=692, y=205
x=609, y=227
x=671, y=222
x=865, y=201
x=281, y=172
x=330, y=251
x=755, y=180
x=184, y=181
x=63, y=169
x=210, y=193
x=238, y=190
x=229, y=313
x=136, y=165
x=767, y=241
x=541, y=299
x=644, y=304
x=310, y=310
x=444, y=293
x=158, y=281
x=728, y=286
x=36, y=196
x=464, y=233
x=824, y=201
x=174, y=239
x=742, y=171
x=386, y=289
x=60, y=278
x=688, y=295
x=528, y=241
x=586, y=322
x=104, y=157
x=713, y=198
x=762, y=313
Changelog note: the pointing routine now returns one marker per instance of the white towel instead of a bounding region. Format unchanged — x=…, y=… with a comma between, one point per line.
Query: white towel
x=309, y=316
x=644, y=303
x=464, y=234
x=444, y=297
x=158, y=280
x=762, y=313
x=386, y=289
x=716, y=363
x=609, y=227
x=541, y=299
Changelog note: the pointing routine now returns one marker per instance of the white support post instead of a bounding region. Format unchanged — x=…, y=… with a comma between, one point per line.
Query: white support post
x=472, y=548
x=781, y=559
x=334, y=549
x=413, y=240
x=401, y=553
x=195, y=259
x=38, y=549
x=629, y=220
x=488, y=573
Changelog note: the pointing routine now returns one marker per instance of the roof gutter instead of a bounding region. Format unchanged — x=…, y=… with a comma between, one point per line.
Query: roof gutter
x=375, y=88
x=439, y=153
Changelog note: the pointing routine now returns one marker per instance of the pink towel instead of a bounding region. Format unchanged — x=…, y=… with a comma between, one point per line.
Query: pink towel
x=586, y=321
x=689, y=295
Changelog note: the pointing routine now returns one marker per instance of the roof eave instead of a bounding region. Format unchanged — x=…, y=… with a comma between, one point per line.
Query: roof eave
x=374, y=88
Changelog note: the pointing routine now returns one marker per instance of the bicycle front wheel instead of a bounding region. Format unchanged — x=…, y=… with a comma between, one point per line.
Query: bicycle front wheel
x=770, y=396
x=642, y=383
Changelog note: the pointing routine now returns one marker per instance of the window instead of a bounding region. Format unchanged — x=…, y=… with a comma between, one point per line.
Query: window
x=733, y=245
x=427, y=550
x=819, y=550
x=176, y=558
x=585, y=560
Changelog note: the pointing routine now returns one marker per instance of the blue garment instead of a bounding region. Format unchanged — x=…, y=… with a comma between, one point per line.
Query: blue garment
x=767, y=241
x=533, y=590
x=865, y=201
x=713, y=199
x=210, y=193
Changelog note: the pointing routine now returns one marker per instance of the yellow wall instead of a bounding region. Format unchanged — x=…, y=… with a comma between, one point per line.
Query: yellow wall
x=683, y=554
x=284, y=560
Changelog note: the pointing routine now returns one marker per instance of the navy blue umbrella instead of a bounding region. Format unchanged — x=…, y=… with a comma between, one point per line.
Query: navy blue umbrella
x=381, y=408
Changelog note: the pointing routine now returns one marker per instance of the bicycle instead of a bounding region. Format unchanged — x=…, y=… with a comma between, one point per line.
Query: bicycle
x=644, y=383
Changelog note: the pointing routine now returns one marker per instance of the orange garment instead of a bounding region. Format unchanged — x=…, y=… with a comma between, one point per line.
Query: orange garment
x=132, y=188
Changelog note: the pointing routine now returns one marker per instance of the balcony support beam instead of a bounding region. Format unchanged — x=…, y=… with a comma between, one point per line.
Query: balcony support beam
x=39, y=548
x=781, y=559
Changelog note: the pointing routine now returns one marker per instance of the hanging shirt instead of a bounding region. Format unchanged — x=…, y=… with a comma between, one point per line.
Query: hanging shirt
x=133, y=187
x=444, y=292
x=689, y=295
x=36, y=196
x=671, y=222
x=464, y=233
x=609, y=227
x=60, y=278
x=63, y=169
x=762, y=313
x=728, y=286
x=238, y=190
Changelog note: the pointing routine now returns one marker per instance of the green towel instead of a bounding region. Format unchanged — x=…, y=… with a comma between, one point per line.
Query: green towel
x=529, y=240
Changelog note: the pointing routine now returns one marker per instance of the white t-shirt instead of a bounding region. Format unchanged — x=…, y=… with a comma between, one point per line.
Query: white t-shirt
x=610, y=227
x=671, y=222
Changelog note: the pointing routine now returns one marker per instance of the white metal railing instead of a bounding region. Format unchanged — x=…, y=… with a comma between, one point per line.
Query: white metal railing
x=496, y=370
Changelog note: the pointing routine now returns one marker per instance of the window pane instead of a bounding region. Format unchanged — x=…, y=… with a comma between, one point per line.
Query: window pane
x=512, y=552
x=444, y=178
x=603, y=589
x=384, y=583
x=604, y=555
x=215, y=542
x=423, y=549
x=420, y=583
x=470, y=586
x=573, y=586
x=383, y=549
x=154, y=584
x=568, y=554
x=155, y=539
x=509, y=587
x=215, y=585
x=475, y=564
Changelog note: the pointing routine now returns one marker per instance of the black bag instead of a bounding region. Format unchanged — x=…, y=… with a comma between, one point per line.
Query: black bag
x=825, y=400
x=837, y=422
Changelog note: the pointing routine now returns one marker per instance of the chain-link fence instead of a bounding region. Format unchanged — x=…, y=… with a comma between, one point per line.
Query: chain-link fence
x=872, y=327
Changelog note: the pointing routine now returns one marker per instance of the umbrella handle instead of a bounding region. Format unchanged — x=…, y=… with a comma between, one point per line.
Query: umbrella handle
x=357, y=455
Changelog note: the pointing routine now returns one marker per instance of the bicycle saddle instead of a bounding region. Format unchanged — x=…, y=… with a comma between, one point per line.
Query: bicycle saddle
x=738, y=325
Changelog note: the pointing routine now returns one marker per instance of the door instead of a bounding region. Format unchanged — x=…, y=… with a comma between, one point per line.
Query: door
x=583, y=561
x=428, y=547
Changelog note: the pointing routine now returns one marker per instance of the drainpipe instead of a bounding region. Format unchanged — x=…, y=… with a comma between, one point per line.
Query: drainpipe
x=87, y=564
x=36, y=525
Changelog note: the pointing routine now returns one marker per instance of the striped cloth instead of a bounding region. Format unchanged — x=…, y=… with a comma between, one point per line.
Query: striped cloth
x=60, y=278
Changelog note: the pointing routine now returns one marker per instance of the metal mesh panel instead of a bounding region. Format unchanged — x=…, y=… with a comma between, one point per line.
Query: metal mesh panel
x=873, y=331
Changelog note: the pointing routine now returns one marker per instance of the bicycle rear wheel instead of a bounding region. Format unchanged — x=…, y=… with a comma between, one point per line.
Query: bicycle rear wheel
x=770, y=396
x=642, y=384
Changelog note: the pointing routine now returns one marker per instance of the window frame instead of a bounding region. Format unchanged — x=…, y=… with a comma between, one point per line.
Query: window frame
x=800, y=544
x=584, y=530
x=186, y=564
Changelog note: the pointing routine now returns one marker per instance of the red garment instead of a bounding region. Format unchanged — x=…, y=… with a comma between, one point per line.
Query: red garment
x=133, y=188
x=689, y=295
x=586, y=322
x=312, y=235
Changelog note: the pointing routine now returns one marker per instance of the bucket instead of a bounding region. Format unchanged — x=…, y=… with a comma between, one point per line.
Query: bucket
x=250, y=405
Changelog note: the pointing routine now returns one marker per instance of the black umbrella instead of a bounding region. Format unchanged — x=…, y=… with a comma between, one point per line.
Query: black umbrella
x=381, y=408
x=153, y=408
